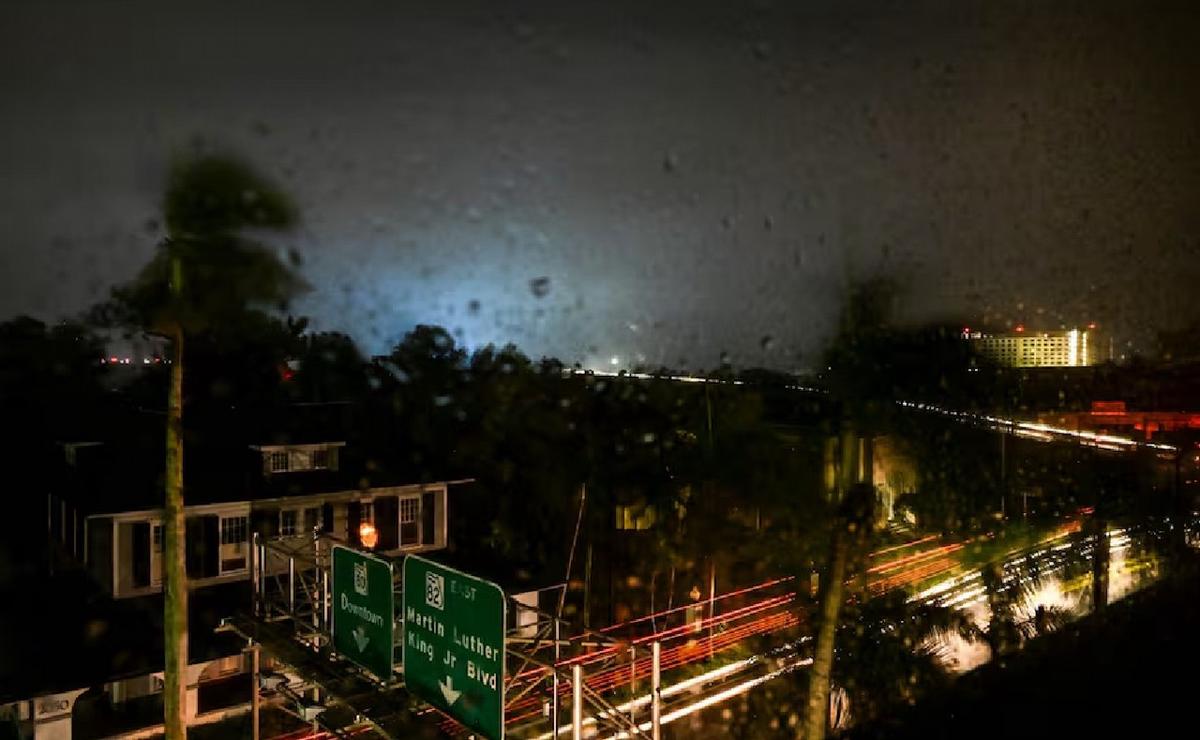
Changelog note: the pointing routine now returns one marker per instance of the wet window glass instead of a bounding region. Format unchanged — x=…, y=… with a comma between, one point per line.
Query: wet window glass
x=739, y=368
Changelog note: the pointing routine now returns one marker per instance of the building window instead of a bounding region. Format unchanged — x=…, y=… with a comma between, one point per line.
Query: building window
x=640, y=516
x=233, y=530
x=312, y=518
x=287, y=522
x=279, y=462
x=410, y=510
x=410, y=520
x=368, y=514
x=320, y=459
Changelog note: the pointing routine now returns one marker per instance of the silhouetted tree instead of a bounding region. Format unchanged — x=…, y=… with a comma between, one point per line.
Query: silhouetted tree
x=207, y=273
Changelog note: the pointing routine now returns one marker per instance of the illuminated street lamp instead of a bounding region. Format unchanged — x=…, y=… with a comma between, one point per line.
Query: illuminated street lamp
x=367, y=535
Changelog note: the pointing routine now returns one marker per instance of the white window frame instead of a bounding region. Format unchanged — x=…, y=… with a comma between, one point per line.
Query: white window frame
x=414, y=511
x=232, y=548
x=295, y=528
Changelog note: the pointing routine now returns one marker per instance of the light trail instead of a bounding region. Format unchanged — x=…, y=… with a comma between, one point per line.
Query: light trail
x=901, y=546
x=673, y=610
x=719, y=697
x=1030, y=429
x=915, y=557
x=1041, y=431
x=777, y=613
x=688, y=684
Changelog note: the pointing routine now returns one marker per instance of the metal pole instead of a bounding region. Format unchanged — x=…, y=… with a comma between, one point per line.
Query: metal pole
x=562, y=597
x=576, y=702
x=316, y=584
x=554, y=685
x=254, y=693
x=1004, y=468
x=254, y=566
x=262, y=574
x=655, y=690
x=587, y=587
x=325, y=601
x=632, y=685
x=291, y=585
x=712, y=597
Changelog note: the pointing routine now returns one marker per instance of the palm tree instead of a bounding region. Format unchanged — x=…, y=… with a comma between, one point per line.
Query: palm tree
x=851, y=530
x=891, y=652
x=205, y=274
x=859, y=384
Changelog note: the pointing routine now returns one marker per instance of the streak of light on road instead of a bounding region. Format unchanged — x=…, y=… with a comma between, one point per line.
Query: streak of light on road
x=688, y=684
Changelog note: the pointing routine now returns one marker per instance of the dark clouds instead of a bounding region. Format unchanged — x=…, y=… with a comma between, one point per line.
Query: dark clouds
x=689, y=179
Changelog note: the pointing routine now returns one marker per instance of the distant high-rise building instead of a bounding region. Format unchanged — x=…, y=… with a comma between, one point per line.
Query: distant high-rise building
x=1020, y=348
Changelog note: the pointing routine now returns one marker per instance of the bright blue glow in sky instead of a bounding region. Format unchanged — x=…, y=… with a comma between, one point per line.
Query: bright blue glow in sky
x=691, y=183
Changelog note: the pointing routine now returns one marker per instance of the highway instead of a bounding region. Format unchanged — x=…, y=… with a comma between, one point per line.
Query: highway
x=930, y=569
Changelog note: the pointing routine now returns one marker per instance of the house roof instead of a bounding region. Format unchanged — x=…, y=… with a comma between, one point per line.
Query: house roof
x=114, y=478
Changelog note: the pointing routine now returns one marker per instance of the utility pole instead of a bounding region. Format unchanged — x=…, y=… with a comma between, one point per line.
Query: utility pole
x=1004, y=467
x=712, y=594
x=554, y=683
x=632, y=684
x=562, y=596
x=576, y=702
x=708, y=413
x=656, y=690
x=587, y=587
x=254, y=691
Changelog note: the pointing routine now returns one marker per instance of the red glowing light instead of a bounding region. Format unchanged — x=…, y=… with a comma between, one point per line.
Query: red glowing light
x=1020, y=328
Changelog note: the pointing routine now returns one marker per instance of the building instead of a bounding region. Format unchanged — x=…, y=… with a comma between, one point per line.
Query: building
x=95, y=668
x=298, y=489
x=1021, y=348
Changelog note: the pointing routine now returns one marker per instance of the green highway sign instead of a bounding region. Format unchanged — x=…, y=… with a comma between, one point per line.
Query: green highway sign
x=362, y=610
x=454, y=644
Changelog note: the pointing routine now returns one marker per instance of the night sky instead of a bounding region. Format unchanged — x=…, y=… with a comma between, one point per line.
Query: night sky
x=689, y=180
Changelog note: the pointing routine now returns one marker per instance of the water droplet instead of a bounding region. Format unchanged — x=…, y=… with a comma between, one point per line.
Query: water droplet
x=540, y=287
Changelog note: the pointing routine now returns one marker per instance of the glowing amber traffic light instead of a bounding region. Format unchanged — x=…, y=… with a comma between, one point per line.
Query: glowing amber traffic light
x=367, y=535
